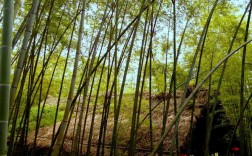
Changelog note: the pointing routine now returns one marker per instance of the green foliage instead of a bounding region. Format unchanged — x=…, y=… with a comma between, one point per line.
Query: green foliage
x=218, y=40
x=48, y=116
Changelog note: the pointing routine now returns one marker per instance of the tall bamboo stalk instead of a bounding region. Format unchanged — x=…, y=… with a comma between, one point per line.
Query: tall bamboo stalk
x=242, y=130
x=96, y=98
x=94, y=111
x=123, y=83
x=113, y=146
x=63, y=125
x=5, y=63
x=90, y=63
x=17, y=6
x=23, y=53
x=63, y=79
x=175, y=77
x=115, y=132
x=143, y=67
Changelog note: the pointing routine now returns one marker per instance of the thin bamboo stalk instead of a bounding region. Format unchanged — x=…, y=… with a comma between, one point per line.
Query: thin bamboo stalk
x=175, y=78
x=242, y=93
x=62, y=127
x=87, y=79
x=23, y=53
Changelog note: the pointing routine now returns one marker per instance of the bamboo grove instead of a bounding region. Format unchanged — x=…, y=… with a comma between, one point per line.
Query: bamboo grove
x=82, y=77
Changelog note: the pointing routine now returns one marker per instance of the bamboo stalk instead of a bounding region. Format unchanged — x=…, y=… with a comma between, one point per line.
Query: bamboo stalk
x=242, y=93
x=5, y=62
x=17, y=6
x=62, y=127
x=23, y=54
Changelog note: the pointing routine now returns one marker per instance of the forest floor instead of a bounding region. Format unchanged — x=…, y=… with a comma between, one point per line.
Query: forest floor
x=143, y=133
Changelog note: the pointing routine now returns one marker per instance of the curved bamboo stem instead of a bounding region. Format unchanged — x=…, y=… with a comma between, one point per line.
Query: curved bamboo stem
x=184, y=104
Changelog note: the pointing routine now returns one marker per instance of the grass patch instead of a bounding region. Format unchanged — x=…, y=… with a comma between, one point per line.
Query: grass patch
x=48, y=116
